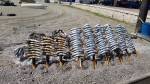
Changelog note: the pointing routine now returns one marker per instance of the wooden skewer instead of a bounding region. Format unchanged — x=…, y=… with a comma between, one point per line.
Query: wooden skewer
x=106, y=60
x=103, y=60
x=33, y=63
x=120, y=59
x=61, y=61
x=61, y=64
x=47, y=47
x=80, y=62
x=109, y=59
x=129, y=59
x=94, y=63
x=129, y=56
x=47, y=62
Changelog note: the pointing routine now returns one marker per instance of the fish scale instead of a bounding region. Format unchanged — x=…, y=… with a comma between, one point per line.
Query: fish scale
x=47, y=45
x=34, y=49
x=110, y=38
x=89, y=41
x=101, y=44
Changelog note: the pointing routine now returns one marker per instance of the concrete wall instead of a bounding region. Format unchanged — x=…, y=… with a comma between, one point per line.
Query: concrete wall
x=122, y=15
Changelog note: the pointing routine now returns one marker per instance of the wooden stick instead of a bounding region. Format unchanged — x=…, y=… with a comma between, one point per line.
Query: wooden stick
x=109, y=59
x=129, y=59
x=120, y=59
x=47, y=62
x=61, y=64
x=94, y=62
x=103, y=60
x=106, y=60
x=60, y=61
x=80, y=62
x=33, y=63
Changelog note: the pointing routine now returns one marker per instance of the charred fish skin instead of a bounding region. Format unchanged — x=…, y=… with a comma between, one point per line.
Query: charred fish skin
x=34, y=49
x=47, y=45
x=61, y=45
x=36, y=36
x=21, y=53
x=60, y=41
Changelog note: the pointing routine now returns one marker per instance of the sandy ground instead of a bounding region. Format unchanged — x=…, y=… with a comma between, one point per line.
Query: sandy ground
x=14, y=31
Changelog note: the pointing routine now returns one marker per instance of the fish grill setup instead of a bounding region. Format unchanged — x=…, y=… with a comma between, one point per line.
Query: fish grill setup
x=76, y=45
x=102, y=49
x=113, y=49
x=90, y=47
x=102, y=43
x=34, y=50
x=47, y=48
x=60, y=48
